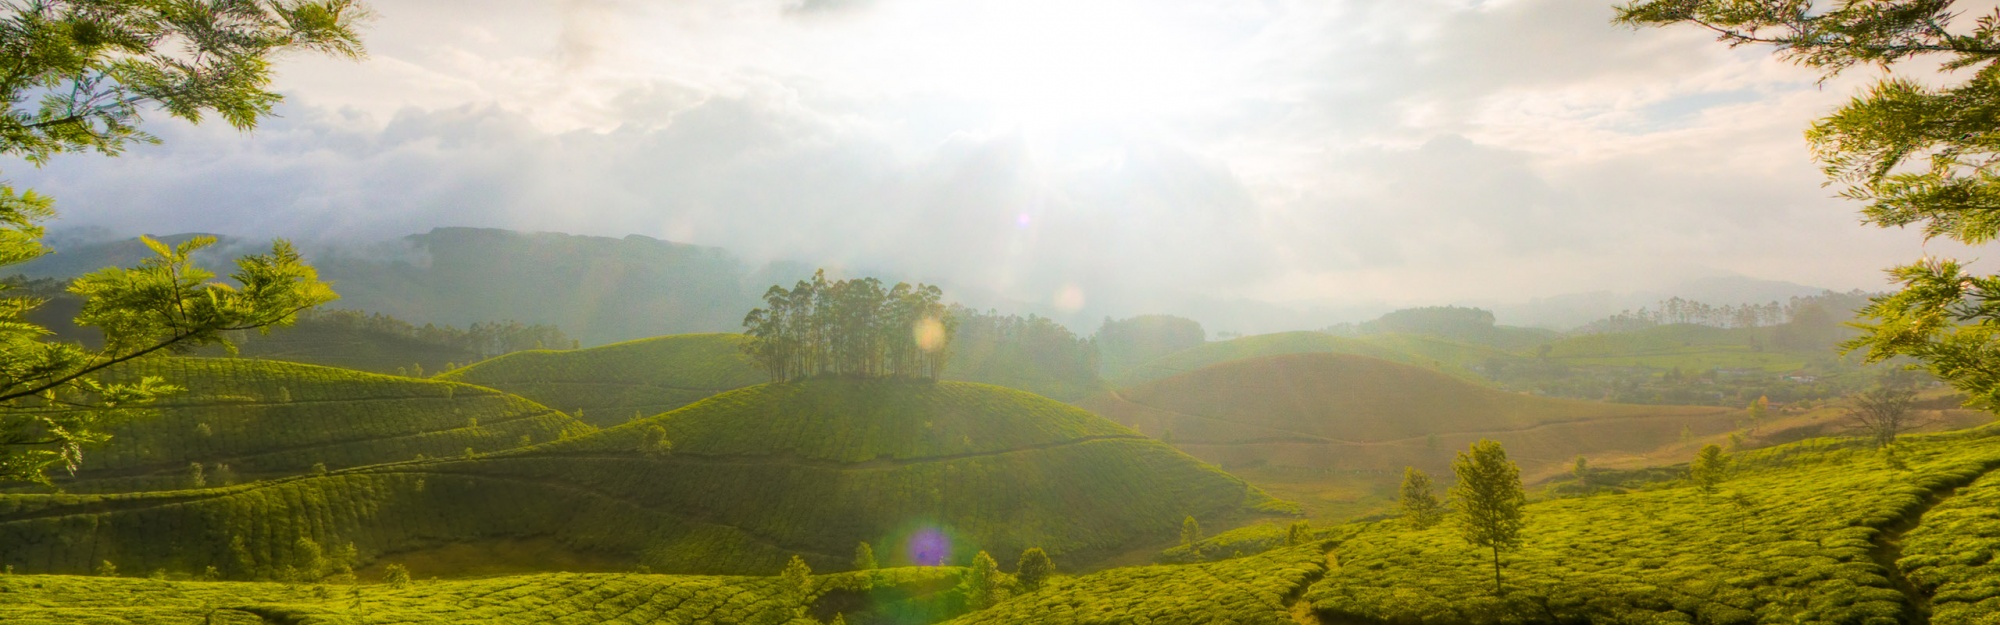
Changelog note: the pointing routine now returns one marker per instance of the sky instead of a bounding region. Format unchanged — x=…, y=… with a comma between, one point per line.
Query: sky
x=1336, y=154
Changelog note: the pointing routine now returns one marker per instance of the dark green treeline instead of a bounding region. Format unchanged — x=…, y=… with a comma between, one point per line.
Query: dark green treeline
x=851, y=328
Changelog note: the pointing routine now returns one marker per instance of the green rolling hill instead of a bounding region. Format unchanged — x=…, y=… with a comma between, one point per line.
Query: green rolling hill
x=1334, y=431
x=246, y=419
x=754, y=476
x=891, y=596
x=615, y=383
x=1823, y=531
x=1442, y=354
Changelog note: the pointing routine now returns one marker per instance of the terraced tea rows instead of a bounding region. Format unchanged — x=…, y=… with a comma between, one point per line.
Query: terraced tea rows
x=615, y=383
x=1953, y=556
x=987, y=467
x=255, y=418
x=920, y=595
x=1258, y=590
x=1797, y=536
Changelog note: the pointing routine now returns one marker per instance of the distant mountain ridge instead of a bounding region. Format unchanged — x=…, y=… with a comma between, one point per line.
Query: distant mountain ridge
x=598, y=289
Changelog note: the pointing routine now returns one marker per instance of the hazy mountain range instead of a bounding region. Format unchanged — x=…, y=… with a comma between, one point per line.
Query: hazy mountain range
x=603, y=289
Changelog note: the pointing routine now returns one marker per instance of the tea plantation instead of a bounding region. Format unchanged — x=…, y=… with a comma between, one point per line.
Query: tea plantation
x=1258, y=590
x=1805, y=533
x=907, y=595
x=1953, y=557
x=244, y=419
x=612, y=384
x=750, y=477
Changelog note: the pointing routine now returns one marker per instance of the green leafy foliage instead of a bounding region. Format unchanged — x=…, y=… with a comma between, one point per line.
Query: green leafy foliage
x=96, y=65
x=1487, y=501
x=1418, y=501
x=1917, y=153
x=864, y=557
x=1034, y=569
x=1709, y=469
x=608, y=385
x=850, y=327
x=983, y=584
x=165, y=305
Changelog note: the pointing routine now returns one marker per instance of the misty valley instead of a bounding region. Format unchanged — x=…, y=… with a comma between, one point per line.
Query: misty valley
x=883, y=312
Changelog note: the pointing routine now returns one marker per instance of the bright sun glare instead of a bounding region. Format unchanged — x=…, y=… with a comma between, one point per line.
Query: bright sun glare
x=1041, y=62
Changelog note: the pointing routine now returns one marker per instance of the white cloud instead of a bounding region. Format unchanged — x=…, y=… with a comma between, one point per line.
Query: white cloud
x=1367, y=151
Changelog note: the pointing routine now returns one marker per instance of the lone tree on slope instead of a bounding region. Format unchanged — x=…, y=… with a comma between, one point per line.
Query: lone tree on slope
x=1884, y=413
x=864, y=557
x=1709, y=469
x=1488, y=498
x=1034, y=568
x=1419, y=501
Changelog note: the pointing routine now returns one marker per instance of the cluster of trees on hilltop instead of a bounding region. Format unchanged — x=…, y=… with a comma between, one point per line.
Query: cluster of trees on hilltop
x=1686, y=311
x=1032, y=353
x=850, y=328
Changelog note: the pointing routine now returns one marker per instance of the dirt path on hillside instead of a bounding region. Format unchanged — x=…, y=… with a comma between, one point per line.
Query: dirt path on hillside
x=1887, y=548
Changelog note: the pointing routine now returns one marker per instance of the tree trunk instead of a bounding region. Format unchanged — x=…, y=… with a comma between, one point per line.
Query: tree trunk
x=1496, y=571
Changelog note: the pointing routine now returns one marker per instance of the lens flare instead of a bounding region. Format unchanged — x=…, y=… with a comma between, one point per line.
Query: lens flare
x=929, y=547
x=929, y=333
x=1069, y=299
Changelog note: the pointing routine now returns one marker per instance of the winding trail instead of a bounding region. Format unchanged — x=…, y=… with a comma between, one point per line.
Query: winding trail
x=1887, y=546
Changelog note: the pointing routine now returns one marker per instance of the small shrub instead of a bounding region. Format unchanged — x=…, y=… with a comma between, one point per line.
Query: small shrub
x=1034, y=568
x=396, y=576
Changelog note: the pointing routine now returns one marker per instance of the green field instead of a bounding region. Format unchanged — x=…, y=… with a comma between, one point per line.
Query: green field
x=615, y=383
x=917, y=594
x=754, y=476
x=264, y=418
x=1804, y=533
x=1334, y=431
x=1256, y=590
x=1819, y=532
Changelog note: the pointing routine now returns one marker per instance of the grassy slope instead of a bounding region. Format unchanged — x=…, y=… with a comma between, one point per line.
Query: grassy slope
x=1953, y=556
x=1688, y=347
x=756, y=475
x=567, y=598
x=1302, y=342
x=1334, y=431
x=333, y=345
x=613, y=383
x=1012, y=371
x=1254, y=590
x=266, y=418
x=1803, y=533
x=1336, y=411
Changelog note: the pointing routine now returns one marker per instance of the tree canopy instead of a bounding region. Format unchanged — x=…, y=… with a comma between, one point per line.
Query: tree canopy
x=850, y=327
x=1915, y=154
x=1489, y=499
x=80, y=76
